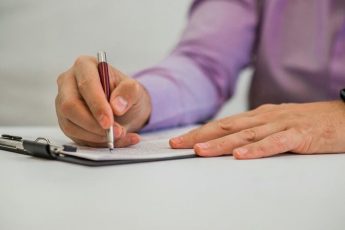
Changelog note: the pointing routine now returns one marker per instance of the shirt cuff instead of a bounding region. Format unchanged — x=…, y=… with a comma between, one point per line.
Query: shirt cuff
x=165, y=100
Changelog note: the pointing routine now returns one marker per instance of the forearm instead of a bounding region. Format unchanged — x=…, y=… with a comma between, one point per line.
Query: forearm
x=191, y=84
x=175, y=97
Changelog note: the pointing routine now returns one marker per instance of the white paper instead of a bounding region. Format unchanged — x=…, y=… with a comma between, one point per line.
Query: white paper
x=152, y=146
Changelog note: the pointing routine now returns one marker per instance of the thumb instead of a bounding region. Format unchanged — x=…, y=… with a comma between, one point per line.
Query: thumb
x=125, y=95
x=131, y=104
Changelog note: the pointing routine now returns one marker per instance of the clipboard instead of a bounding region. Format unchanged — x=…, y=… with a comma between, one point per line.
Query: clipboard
x=43, y=148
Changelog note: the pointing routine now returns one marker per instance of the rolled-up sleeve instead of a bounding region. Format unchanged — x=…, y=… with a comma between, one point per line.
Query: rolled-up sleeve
x=192, y=83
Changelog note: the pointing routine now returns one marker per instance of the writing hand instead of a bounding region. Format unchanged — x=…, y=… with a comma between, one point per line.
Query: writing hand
x=84, y=113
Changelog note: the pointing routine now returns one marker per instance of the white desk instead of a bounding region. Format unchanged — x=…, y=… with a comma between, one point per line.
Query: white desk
x=286, y=192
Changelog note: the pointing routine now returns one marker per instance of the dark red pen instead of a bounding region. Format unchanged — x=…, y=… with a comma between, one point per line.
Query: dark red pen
x=104, y=77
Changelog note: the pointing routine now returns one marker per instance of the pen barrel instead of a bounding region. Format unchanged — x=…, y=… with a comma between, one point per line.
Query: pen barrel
x=104, y=73
x=104, y=78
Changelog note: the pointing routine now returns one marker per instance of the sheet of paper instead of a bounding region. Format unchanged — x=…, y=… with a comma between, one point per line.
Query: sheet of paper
x=152, y=146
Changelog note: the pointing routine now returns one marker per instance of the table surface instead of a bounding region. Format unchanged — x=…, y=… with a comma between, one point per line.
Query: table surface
x=284, y=192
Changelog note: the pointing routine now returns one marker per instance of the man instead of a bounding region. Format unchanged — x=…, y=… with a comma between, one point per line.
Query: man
x=297, y=49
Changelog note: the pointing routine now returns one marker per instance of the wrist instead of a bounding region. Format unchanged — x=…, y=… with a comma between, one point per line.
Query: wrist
x=147, y=107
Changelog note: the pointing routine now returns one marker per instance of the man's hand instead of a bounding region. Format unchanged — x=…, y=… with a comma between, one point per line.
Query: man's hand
x=270, y=130
x=84, y=113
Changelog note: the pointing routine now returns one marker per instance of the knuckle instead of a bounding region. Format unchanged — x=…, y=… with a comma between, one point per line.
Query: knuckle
x=133, y=85
x=132, y=90
x=249, y=135
x=280, y=141
x=83, y=84
x=60, y=79
x=221, y=145
x=81, y=60
x=264, y=117
x=265, y=107
x=225, y=125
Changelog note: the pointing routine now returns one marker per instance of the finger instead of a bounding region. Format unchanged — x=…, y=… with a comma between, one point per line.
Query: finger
x=119, y=131
x=70, y=106
x=131, y=104
x=274, y=144
x=126, y=94
x=79, y=136
x=225, y=145
x=77, y=133
x=127, y=140
x=214, y=130
x=88, y=144
x=90, y=88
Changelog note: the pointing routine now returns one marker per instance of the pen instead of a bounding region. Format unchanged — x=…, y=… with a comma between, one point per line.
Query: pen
x=104, y=77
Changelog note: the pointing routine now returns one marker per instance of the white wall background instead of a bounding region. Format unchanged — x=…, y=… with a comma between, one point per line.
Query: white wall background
x=41, y=38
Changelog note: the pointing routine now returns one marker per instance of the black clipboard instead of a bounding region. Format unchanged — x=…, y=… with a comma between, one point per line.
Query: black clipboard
x=43, y=148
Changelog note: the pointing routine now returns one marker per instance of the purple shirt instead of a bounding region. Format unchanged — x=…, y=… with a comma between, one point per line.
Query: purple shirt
x=296, y=47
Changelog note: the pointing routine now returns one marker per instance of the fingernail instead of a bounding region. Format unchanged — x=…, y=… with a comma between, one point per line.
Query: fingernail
x=120, y=104
x=104, y=121
x=177, y=140
x=202, y=145
x=241, y=151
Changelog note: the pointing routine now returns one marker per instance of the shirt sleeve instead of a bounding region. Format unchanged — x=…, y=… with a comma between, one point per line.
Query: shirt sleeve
x=192, y=83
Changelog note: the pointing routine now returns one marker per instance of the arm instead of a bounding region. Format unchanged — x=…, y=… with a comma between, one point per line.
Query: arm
x=188, y=86
x=191, y=84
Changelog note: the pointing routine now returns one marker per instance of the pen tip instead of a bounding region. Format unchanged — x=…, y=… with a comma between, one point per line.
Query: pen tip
x=110, y=146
